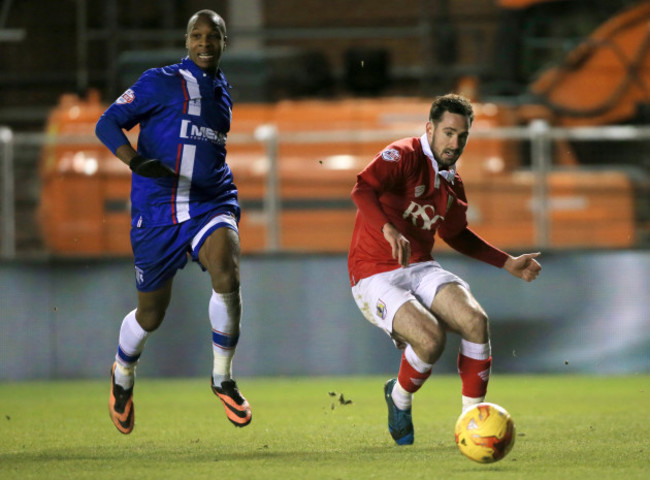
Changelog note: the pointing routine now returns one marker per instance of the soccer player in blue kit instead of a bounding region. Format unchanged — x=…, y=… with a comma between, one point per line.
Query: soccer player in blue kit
x=184, y=204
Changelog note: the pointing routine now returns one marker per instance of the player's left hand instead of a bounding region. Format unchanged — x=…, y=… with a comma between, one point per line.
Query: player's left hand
x=150, y=167
x=524, y=266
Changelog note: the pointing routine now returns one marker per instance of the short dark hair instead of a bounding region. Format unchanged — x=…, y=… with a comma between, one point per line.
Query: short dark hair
x=451, y=103
x=214, y=16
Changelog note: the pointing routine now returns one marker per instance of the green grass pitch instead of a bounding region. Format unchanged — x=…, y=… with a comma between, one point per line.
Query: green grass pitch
x=568, y=427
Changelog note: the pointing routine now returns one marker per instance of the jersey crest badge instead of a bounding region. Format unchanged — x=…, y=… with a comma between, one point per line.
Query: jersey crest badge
x=126, y=97
x=390, y=155
x=419, y=190
x=381, y=309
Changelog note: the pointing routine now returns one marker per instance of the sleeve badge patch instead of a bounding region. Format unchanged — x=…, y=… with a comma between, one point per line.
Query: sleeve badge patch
x=390, y=155
x=126, y=97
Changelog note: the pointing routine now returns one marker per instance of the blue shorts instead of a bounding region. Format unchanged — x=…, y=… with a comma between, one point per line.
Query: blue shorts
x=161, y=251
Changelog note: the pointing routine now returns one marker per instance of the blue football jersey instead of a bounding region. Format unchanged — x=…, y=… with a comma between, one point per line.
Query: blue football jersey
x=184, y=115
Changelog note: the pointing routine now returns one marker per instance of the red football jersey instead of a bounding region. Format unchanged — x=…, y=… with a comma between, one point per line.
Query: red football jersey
x=403, y=186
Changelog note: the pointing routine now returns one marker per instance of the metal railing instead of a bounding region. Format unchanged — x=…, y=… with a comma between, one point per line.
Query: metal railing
x=8, y=211
x=539, y=133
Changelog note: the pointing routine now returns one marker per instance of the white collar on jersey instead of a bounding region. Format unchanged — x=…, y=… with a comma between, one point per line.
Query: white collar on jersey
x=446, y=174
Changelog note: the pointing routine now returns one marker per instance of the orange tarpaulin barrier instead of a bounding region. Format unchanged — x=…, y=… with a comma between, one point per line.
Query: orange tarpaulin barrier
x=85, y=198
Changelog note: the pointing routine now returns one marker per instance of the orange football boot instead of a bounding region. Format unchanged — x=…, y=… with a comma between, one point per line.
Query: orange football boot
x=237, y=408
x=120, y=406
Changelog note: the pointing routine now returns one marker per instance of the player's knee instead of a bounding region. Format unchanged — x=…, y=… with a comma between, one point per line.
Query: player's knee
x=433, y=344
x=150, y=318
x=225, y=280
x=477, y=328
x=224, y=273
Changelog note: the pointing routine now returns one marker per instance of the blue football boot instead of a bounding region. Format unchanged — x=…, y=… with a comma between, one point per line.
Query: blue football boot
x=400, y=422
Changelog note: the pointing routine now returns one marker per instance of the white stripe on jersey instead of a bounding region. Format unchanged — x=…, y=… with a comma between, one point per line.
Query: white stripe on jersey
x=184, y=183
x=194, y=106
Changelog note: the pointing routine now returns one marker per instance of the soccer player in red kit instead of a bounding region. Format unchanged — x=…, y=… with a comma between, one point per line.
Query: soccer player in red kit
x=407, y=194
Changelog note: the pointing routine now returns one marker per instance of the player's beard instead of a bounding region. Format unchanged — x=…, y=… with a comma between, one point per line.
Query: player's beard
x=447, y=158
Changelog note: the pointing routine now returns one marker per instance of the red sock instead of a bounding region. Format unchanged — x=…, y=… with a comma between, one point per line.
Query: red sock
x=409, y=378
x=475, y=375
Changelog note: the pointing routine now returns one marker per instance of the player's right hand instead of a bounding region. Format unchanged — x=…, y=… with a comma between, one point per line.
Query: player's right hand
x=399, y=244
x=150, y=167
x=524, y=266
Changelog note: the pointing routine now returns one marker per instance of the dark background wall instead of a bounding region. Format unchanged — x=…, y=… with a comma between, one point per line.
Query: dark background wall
x=36, y=70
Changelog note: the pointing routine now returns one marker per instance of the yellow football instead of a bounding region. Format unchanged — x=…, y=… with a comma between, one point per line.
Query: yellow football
x=485, y=433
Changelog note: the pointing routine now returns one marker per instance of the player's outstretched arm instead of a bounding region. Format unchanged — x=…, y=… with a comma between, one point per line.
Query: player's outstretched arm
x=524, y=266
